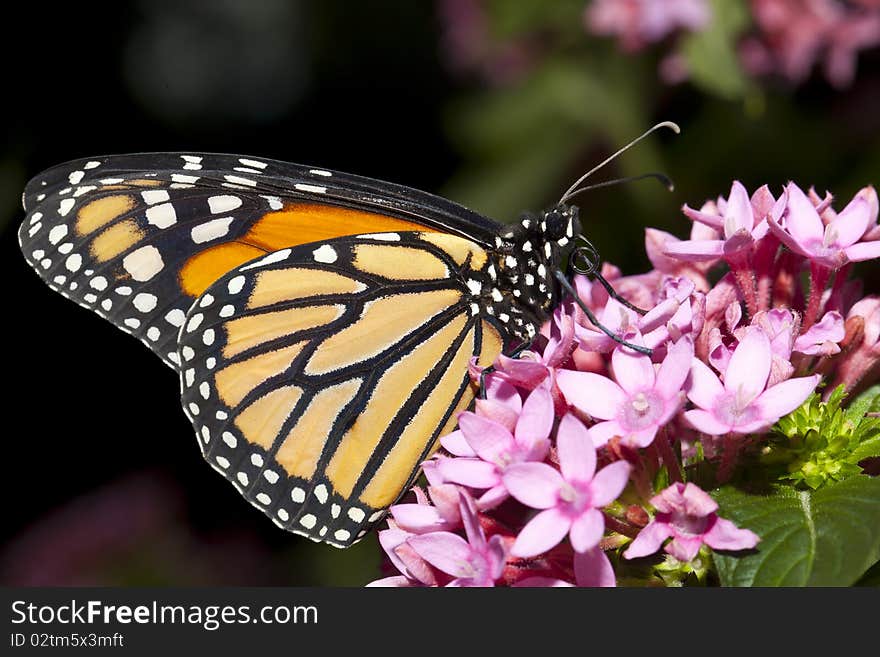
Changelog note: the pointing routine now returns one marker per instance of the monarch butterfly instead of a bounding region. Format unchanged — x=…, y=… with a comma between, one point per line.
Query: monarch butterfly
x=321, y=323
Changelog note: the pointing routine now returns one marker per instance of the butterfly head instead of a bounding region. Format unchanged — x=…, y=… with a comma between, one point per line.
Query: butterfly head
x=529, y=253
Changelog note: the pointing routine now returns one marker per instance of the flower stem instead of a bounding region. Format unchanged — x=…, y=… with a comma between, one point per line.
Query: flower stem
x=819, y=276
x=729, y=457
x=667, y=455
x=745, y=280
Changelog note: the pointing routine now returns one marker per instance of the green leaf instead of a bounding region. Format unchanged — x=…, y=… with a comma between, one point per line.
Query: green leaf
x=828, y=537
x=865, y=402
x=711, y=53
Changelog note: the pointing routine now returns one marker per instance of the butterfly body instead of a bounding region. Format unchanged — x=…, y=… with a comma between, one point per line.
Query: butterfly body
x=321, y=323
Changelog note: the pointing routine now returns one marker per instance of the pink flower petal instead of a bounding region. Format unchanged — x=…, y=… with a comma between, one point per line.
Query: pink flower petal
x=586, y=530
x=469, y=472
x=455, y=443
x=706, y=422
x=714, y=221
x=803, y=222
x=863, y=251
x=521, y=372
x=542, y=533
x=829, y=330
x=738, y=214
x=417, y=518
x=633, y=371
x=648, y=540
x=534, y=484
x=684, y=548
x=703, y=387
x=596, y=395
x=783, y=236
x=675, y=369
x=724, y=535
x=602, y=432
x=497, y=412
x=697, y=502
x=592, y=568
x=852, y=222
x=695, y=251
x=444, y=550
x=609, y=483
x=500, y=391
x=534, y=425
x=784, y=397
x=397, y=581
x=577, y=454
x=749, y=367
x=487, y=438
x=540, y=582
x=646, y=436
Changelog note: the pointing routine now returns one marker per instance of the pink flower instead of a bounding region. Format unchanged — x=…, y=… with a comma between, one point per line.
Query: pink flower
x=570, y=501
x=475, y=562
x=740, y=222
x=440, y=514
x=639, y=402
x=741, y=404
x=591, y=569
x=823, y=337
x=795, y=34
x=833, y=245
x=639, y=22
x=485, y=448
x=686, y=514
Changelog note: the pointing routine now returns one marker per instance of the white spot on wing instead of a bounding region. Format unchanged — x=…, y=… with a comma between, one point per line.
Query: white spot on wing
x=252, y=163
x=162, y=216
x=153, y=196
x=65, y=206
x=326, y=254
x=384, y=237
x=235, y=284
x=145, y=302
x=211, y=230
x=320, y=172
x=144, y=263
x=277, y=256
x=223, y=203
x=238, y=180
x=315, y=189
x=57, y=234
x=76, y=176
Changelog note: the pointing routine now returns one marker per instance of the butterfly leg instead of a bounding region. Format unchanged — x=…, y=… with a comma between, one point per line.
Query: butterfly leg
x=563, y=280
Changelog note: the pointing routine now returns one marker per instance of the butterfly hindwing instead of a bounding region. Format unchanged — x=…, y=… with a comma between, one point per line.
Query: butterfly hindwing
x=318, y=377
x=137, y=238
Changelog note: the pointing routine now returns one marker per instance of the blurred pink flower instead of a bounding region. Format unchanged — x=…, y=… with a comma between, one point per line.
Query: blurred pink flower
x=570, y=500
x=795, y=34
x=686, y=514
x=637, y=23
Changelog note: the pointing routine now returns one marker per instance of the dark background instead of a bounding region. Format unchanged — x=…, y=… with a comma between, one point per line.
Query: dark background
x=102, y=480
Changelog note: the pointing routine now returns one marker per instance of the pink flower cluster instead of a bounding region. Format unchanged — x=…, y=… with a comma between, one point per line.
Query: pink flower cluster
x=553, y=478
x=788, y=37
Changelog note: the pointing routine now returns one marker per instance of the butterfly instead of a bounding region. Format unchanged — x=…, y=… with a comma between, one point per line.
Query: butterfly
x=321, y=323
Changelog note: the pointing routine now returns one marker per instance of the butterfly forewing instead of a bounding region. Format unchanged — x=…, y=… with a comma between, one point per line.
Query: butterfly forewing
x=136, y=238
x=319, y=377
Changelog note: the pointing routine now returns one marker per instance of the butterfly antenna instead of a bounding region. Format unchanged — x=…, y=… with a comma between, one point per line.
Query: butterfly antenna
x=573, y=189
x=663, y=179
